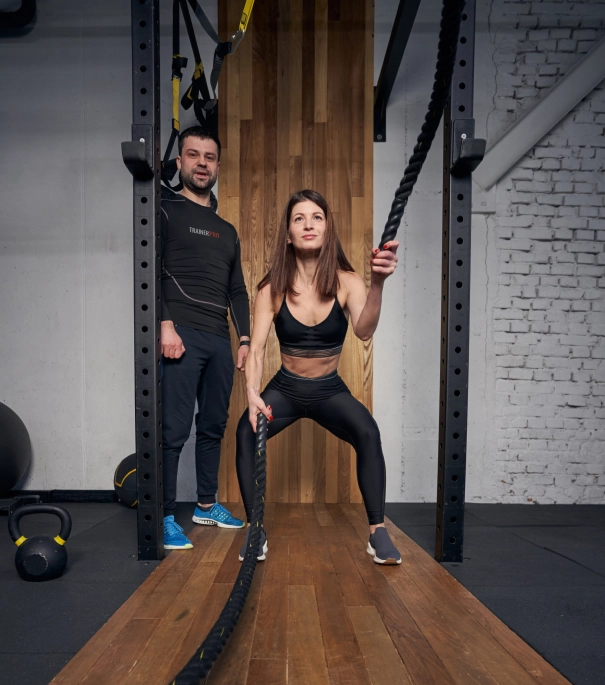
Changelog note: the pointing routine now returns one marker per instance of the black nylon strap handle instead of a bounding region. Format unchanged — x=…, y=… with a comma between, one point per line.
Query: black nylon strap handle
x=204, y=21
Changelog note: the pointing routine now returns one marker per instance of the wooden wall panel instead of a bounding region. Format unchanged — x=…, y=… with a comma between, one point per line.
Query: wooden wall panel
x=296, y=112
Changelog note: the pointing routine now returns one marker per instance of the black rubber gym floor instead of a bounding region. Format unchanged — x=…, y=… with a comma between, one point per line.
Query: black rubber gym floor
x=541, y=569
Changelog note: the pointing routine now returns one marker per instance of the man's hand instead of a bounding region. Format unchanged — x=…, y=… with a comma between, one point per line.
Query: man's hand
x=242, y=354
x=172, y=345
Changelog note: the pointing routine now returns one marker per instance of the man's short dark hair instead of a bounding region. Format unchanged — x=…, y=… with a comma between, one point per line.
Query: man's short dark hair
x=201, y=133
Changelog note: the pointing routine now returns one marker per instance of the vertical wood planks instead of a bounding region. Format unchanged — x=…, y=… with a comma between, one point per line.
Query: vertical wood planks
x=295, y=112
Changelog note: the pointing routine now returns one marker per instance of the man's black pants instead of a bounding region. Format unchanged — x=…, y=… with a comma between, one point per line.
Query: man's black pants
x=204, y=373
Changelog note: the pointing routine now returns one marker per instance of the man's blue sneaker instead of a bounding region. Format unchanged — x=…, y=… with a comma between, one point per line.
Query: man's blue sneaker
x=216, y=516
x=174, y=538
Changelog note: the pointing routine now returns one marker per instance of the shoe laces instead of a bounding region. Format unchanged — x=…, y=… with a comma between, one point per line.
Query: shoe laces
x=172, y=528
x=220, y=512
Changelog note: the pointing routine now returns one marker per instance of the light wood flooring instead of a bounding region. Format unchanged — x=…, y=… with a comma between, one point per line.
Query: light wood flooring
x=319, y=612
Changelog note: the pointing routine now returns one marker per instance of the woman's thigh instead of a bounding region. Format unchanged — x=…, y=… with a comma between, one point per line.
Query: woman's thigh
x=348, y=419
x=284, y=414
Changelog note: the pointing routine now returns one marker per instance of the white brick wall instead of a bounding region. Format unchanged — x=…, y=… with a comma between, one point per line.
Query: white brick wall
x=548, y=321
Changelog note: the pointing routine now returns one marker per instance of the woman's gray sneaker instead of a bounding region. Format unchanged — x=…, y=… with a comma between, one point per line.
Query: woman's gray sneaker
x=262, y=546
x=382, y=549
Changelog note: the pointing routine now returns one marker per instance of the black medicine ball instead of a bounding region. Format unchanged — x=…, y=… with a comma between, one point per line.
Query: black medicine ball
x=125, y=481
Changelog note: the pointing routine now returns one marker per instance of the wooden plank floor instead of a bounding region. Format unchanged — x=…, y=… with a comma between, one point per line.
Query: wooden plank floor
x=319, y=612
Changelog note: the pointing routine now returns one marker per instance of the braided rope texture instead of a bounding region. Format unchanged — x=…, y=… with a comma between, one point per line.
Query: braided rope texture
x=451, y=17
x=200, y=663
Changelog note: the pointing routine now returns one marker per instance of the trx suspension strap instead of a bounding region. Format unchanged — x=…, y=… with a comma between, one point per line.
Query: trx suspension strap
x=226, y=48
x=179, y=62
x=197, y=95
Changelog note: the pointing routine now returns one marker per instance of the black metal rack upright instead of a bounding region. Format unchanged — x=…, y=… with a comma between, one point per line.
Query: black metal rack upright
x=459, y=150
x=142, y=157
x=461, y=155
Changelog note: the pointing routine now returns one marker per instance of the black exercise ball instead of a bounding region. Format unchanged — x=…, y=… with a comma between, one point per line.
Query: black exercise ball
x=125, y=481
x=15, y=449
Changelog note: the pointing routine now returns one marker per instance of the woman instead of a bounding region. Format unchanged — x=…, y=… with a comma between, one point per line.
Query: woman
x=310, y=293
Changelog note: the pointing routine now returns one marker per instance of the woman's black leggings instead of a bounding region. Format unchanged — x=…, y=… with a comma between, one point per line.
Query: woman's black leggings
x=328, y=401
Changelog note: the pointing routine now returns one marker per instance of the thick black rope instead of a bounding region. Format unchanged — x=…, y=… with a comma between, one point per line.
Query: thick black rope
x=201, y=662
x=199, y=665
x=451, y=17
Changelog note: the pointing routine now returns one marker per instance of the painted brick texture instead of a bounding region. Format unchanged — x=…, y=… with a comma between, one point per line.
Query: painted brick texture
x=548, y=321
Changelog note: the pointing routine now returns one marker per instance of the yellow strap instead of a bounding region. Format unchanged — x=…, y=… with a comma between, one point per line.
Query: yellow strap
x=245, y=18
x=59, y=540
x=199, y=70
x=20, y=541
x=175, y=99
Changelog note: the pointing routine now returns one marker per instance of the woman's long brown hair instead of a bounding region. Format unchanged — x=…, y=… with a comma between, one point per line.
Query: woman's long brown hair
x=282, y=273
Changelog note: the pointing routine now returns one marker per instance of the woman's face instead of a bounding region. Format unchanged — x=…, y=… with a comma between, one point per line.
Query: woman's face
x=307, y=227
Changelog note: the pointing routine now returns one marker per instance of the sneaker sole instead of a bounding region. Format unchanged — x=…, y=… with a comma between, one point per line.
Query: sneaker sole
x=261, y=558
x=212, y=522
x=175, y=547
x=387, y=562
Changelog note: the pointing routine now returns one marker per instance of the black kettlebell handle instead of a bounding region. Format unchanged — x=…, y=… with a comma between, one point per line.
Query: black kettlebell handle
x=18, y=514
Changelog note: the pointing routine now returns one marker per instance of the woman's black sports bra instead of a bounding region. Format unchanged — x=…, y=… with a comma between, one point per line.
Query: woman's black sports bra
x=325, y=339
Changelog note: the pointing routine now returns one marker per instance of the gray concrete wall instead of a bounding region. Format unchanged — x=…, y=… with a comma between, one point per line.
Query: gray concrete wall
x=65, y=237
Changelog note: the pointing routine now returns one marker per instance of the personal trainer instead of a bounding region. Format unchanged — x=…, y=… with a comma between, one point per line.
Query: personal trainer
x=201, y=280
x=309, y=294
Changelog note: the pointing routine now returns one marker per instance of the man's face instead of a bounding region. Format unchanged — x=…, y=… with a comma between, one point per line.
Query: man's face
x=198, y=164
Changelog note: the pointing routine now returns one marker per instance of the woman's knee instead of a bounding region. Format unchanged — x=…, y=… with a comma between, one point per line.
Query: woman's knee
x=368, y=433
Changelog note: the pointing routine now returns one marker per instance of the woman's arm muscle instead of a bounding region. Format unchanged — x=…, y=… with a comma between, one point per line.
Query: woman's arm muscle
x=364, y=305
x=263, y=318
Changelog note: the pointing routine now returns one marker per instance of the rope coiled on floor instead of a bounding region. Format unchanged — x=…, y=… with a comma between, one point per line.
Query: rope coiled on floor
x=200, y=663
x=451, y=17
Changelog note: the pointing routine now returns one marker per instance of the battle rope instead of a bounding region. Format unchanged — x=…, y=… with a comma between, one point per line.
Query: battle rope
x=201, y=662
x=451, y=17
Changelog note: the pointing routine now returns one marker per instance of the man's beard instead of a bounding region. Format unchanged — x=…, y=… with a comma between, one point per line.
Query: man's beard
x=195, y=186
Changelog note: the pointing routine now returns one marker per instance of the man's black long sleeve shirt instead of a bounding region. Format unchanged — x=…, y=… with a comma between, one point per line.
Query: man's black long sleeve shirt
x=201, y=269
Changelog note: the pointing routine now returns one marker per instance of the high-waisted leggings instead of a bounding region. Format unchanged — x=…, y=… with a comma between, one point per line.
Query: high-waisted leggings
x=328, y=401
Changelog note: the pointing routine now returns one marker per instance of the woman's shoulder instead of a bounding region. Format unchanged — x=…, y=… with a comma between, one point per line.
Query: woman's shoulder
x=349, y=279
x=267, y=299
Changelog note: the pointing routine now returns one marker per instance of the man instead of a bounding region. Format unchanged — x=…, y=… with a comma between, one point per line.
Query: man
x=201, y=278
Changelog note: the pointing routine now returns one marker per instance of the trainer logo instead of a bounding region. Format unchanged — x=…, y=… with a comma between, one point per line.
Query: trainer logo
x=207, y=234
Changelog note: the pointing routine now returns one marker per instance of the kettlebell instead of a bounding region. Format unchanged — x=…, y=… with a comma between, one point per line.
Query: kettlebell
x=40, y=557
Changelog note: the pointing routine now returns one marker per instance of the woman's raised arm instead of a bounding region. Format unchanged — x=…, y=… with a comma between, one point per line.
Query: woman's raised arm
x=364, y=306
x=263, y=318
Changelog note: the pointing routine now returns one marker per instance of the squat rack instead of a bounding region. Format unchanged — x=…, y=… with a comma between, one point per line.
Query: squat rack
x=142, y=157
x=462, y=153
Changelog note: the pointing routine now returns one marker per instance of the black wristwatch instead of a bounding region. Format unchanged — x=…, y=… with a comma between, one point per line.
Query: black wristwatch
x=244, y=342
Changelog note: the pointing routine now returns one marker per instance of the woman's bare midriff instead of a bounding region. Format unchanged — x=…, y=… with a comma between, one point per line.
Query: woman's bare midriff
x=310, y=367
